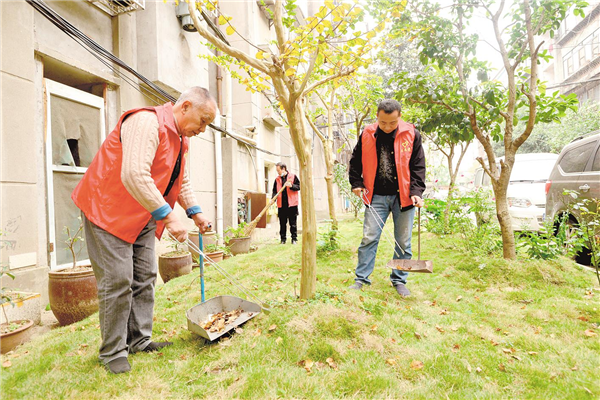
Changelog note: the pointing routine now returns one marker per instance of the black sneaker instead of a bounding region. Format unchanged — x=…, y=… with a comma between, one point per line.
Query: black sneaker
x=294, y=242
x=283, y=242
x=153, y=346
x=356, y=286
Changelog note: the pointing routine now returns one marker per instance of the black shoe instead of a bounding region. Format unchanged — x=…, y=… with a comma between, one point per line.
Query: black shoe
x=402, y=290
x=294, y=242
x=153, y=346
x=283, y=242
x=118, y=365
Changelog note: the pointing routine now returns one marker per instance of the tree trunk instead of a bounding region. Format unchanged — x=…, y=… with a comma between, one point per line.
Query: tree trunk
x=508, y=236
x=302, y=145
x=328, y=150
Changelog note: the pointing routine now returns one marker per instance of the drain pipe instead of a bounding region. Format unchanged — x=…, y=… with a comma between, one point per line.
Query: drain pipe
x=219, y=173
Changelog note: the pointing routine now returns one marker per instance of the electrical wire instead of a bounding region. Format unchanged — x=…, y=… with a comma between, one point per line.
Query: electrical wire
x=106, y=58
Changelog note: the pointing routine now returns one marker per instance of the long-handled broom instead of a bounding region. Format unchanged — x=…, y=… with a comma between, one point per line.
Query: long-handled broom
x=250, y=227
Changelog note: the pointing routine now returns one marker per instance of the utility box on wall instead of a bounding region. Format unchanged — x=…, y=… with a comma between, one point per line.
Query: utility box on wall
x=256, y=202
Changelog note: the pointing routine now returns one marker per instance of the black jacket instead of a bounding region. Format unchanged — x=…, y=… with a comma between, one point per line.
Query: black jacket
x=284, y=197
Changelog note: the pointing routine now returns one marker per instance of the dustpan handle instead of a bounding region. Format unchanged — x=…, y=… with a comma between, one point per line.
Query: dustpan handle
x=419, y=233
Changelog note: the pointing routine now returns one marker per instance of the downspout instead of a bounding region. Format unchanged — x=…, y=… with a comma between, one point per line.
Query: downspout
x=219, y=172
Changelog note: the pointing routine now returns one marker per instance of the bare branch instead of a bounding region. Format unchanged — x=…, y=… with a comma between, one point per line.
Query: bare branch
x=323, y=81
x=260, y=65
x=309, y=71
x=314, y=128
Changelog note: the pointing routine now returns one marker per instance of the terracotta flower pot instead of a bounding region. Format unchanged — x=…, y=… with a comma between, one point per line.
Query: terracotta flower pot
x=174, y=264
x=215, y=256
x=10, y=340
x=239, y=245
x=207, y=238
x=73, y=294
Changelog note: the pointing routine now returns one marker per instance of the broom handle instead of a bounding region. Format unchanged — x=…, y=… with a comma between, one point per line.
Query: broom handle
x=254, y=222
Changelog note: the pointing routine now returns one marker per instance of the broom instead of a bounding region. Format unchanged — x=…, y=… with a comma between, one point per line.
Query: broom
x=250, y=227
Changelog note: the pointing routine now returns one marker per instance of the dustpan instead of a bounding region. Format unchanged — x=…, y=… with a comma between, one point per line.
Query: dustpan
x=417, y=265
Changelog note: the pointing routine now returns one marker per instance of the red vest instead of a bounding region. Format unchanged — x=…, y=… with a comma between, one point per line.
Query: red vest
x=292, y=195
x=101, y=195
x=403, y=144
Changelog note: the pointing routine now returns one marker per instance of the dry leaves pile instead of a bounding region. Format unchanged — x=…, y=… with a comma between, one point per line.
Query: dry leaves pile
x=218, y=321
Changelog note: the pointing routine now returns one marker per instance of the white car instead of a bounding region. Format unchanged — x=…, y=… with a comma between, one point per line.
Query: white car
x=526, y=190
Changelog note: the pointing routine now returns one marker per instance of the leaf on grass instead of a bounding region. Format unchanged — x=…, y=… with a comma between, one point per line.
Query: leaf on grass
x=257, y=332
x=440, y=329
x=307, y=365
x=456, y=347
x=478, y=370
x=272, y=327
x=588, y=390
x=444, y=312
x=417, y=335
x=361, y=298
x=459, y=298
x=589, y=333
x=582, y=318
x=390, y=361
x=507, y=351
x=494, y=343
x=502, y=368
x=469, y=368
x=575, y=368
x=6, y=364
x=253, y=345
x=516, y=357
x=165, y=320
x=374, y=328
x=278, y=340
x=417, y=365
x=532, y=353
x=332, y=363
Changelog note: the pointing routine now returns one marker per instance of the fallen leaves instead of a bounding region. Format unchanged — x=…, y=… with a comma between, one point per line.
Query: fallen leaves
x=218, y=321
x=6, y=364
x=332, y=363
x=390, y=361
x=589, y=333
x=456, y=347
x=278, y=340
x=459, y=298
x=309, y=365
x=418, y=335
x=272, y=328
x=440, y=329
x=417, y=365
x=502, y=368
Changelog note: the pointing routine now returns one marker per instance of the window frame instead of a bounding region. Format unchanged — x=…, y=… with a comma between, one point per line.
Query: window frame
x=53, y=88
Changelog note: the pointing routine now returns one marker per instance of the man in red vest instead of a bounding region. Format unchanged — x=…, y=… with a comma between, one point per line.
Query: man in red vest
x=387, y=170
x=287, y=201
x=127, y=197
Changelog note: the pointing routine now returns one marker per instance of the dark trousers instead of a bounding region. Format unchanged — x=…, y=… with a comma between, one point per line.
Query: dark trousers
x=286, y=214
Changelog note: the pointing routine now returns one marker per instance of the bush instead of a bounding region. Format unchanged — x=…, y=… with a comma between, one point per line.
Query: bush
x=328, y=242
x=551, y=241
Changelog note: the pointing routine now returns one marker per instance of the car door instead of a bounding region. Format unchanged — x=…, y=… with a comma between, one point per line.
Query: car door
x=588, y=184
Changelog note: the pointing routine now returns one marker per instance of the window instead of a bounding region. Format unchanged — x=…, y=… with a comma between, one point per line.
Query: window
x=75, y=131
x=576, y=159
x=596, y=164
x=596, y=45
x=568, y=65
x=582, y=57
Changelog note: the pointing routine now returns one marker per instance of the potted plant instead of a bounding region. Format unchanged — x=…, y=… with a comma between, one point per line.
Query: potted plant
x=214, y=252
x=238, y=242
x=209, y=237
x=72, y=291
x=177, y=262
x=12, y=332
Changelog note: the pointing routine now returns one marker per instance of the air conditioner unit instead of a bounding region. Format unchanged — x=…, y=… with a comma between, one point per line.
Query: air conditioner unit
x=116, y=7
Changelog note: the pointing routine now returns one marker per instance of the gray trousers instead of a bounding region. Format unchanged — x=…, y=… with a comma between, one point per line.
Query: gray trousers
x=125, y=275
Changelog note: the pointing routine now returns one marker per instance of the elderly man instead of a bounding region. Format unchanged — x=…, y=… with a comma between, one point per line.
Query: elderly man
x=387, y=170
x=127, y=197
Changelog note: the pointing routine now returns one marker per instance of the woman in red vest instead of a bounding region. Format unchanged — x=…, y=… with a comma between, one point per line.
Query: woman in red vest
x=387, y=170
x=287, y=201
x=127, y=197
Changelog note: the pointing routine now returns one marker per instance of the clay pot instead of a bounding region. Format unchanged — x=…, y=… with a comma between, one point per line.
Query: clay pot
x=207, y=238
x=215, y=256
x=10, y=340
x=73, y=294
x=174, y=264
x=239, y=245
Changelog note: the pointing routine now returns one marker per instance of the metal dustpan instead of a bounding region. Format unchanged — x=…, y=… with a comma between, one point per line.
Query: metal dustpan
x=201, y=313
x=417, y=265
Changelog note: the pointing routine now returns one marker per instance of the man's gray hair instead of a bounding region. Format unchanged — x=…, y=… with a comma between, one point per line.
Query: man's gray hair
x=197, y=96
x=388, y=106
x=281, y=165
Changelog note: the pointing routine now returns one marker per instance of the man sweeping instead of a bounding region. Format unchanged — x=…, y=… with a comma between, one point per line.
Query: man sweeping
x=387, y=170
x=287, y=201
x=127, y=196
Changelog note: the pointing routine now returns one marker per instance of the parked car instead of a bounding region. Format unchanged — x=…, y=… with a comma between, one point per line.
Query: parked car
x=525, y=192
x=578, y=169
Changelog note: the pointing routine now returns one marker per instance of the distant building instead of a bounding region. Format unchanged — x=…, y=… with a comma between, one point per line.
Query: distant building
x=575, y=48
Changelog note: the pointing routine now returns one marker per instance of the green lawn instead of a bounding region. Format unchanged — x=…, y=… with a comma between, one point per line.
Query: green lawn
x=476, y=328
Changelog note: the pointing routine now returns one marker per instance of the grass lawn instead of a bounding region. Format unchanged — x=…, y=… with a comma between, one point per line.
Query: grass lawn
x=476, y=328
